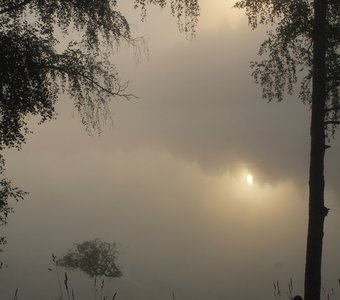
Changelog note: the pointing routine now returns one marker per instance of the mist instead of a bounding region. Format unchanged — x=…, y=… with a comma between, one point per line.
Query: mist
x=166, y=180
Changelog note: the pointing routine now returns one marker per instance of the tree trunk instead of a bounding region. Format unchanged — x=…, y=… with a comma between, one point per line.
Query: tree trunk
x=317, y=210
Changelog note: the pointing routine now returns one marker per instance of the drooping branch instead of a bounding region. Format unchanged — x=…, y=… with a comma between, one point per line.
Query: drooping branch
x=15, y=6
x=91, y=15
x=118, y=93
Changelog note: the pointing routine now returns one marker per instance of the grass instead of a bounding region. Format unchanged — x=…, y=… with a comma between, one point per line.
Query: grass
x=67, y=293
x=289, y=293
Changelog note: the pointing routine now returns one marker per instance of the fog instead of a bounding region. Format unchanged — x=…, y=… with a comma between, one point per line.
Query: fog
x=167, y=180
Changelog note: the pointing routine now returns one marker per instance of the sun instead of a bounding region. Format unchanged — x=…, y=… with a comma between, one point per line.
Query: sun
x=250, y=179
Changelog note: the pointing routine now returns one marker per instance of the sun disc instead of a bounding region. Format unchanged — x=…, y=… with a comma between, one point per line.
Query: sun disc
x=250, y=179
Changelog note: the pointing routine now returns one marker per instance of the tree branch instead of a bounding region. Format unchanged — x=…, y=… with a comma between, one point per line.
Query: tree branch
x=308, y=52
x=119, y=92
x=326, y=123
x=332, y=108
x=14, y=7
x=334, y=86
x=90, y=14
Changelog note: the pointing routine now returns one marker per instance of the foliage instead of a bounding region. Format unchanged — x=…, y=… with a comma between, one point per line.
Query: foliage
x=36, y=65
x=33, y=72
x=287, y=50
x=95, y=258
x=186, y=11
x=305, y=40
x=7, y=191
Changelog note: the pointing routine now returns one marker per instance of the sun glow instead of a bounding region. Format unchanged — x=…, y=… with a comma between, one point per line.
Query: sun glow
x=250, y=179
x=219, y=14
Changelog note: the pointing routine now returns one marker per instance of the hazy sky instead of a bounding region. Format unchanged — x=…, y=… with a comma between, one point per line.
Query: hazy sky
x=167, y=181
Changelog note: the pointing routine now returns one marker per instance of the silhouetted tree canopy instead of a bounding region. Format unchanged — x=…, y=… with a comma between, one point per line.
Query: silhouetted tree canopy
x=288, y=50
x=36, y=65
x=50, y=47
x=305, y=41
x=95, y=258
x=7, y=191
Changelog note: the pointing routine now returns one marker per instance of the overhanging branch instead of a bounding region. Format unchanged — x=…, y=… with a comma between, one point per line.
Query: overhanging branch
x=118, y=93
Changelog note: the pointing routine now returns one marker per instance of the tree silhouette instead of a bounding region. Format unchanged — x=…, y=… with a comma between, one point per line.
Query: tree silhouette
x=34, y=71
x=306, y=40
x=95, y=258
x=7, y=191
x=36, y=64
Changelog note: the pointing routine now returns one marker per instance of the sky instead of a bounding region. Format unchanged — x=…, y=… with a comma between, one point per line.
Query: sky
x=167, y=180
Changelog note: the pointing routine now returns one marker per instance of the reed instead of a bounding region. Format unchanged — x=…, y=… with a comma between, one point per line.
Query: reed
x=67, y=288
